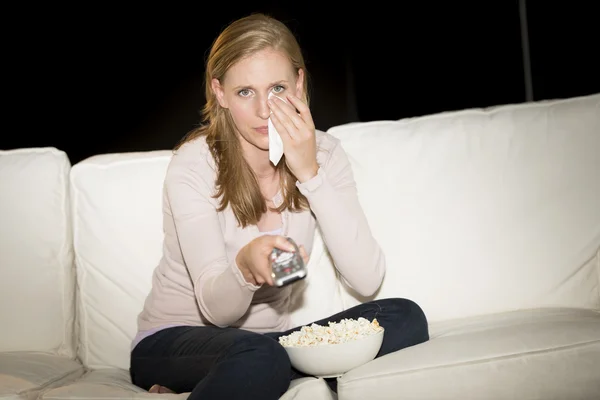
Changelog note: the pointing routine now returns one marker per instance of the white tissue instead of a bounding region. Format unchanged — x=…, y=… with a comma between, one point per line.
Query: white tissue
x=275, y=142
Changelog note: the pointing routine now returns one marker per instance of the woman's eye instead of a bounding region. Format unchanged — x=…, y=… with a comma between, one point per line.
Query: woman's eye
x=244, y=92
x=278, y=89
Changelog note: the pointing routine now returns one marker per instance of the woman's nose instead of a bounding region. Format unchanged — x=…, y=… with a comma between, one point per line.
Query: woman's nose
x=263, y=108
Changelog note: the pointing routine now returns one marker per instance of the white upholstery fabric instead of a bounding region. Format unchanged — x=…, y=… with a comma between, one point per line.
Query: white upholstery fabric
x=484, y=211
x=24, y=375
x=37, y=287
x=530, y=354
x=318, y=295
x=114, y=384
x=106, y=384
x=309, y=389
x=37, y=283
x=117, y=219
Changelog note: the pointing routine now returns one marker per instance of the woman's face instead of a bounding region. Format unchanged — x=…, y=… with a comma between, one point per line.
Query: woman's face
x=244, y=91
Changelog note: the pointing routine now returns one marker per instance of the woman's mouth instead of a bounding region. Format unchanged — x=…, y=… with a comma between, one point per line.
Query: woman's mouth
x=264, y=130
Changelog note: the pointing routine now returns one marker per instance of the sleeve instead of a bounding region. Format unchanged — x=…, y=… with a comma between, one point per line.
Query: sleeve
x=333, y=199
x=222, y=293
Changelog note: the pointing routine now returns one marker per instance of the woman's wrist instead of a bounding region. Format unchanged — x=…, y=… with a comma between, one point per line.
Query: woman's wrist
x=309, y=174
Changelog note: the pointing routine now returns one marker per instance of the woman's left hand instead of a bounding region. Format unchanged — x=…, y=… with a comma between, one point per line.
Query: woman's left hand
x=297, y=133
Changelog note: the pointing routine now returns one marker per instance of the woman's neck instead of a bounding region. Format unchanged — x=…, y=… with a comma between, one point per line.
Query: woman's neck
x=266, y=173
x=259, y=161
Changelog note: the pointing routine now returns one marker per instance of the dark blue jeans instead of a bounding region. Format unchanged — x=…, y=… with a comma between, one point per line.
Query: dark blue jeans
x=232, y=363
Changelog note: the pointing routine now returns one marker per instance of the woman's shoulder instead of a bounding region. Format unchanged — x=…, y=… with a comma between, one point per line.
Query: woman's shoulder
x=192, y=159
x=328, y=148
x=193, y=153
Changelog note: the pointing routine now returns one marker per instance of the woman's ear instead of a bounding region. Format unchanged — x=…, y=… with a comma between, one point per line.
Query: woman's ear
x=218, y=91
x=300, y=84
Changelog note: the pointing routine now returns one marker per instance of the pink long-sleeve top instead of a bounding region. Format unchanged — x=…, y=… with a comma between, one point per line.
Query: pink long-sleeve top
x=197, y=281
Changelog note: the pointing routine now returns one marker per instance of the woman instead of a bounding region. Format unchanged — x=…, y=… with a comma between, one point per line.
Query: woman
x=211, y=322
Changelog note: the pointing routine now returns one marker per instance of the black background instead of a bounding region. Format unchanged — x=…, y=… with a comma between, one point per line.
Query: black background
x=100, y=78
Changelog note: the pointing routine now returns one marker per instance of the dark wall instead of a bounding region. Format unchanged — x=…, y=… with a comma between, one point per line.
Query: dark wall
x=101, y=79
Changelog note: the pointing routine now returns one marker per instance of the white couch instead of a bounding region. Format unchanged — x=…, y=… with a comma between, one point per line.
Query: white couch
x=490, y=220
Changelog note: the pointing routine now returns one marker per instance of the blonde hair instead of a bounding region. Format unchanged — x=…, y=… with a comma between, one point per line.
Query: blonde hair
x=236, y=183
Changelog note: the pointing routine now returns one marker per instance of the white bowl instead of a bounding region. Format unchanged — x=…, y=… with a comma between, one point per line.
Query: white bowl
x=333, y=360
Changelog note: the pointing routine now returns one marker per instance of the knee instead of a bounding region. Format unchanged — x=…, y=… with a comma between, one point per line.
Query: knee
x=414, y=310
x=269, y=349
x=411, y=315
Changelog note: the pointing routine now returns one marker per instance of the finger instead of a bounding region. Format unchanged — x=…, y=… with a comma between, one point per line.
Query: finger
x=284, y=134
x=284, y=125
x=285, y=106
x=249, y=277
x=282, y=243
x=269, y=278
x=287, y=115
x=303, y=109
x=263, y=275
x=259, y=279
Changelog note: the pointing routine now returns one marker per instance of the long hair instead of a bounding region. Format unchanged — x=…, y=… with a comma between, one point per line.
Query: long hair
x=236, y=183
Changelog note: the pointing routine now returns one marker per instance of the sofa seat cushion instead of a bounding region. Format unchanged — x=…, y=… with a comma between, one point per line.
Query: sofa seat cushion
x=23, y=375
x=115, y=384
x=309, y=389
x=105, y=383
x=528, y=354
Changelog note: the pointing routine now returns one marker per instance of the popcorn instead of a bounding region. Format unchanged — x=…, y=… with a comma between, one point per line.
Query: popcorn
x=344, y=331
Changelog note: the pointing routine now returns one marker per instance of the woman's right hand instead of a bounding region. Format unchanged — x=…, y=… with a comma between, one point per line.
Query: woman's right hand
x=253, y=259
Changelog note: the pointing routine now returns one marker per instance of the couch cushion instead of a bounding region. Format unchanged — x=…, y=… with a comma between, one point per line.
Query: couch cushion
x=309, y=389
x=37, y=282
x=117, y=227
x=484, y=211
x=534, y=354
x=115, y=384
x=24, y=375
x=107, y=384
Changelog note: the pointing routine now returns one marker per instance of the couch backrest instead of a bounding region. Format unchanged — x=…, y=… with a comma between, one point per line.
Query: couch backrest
x=478, y=211
x=37, y=286
x=483, y=211
x=117, y=238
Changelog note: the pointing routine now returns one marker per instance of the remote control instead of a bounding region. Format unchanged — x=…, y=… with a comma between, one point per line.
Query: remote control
x=287, y=266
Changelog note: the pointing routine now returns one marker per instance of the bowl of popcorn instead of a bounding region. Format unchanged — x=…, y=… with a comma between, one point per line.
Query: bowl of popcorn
x=330, y=351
